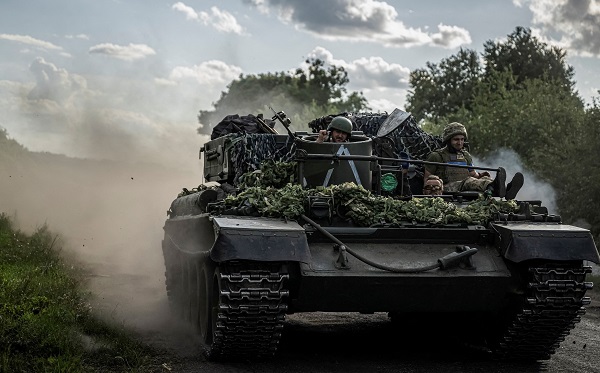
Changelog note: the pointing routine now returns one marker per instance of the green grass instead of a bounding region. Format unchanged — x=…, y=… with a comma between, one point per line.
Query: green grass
x=596, y=280
x=46, y=324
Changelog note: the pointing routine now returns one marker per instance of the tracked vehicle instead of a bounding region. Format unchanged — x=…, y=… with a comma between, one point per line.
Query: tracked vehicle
x=241, y=253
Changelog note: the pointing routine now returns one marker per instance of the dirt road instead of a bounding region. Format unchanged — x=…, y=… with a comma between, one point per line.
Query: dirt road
x=340, y=342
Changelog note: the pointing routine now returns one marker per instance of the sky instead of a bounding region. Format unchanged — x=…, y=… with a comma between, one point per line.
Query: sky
x=125, y=79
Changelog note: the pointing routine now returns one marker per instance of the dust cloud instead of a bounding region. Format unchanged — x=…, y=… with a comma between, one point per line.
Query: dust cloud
x=534, y=189
x=109, y=216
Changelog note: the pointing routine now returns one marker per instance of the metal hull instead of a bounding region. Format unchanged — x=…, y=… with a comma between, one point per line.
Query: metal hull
x=235, y=279
x=362, y=288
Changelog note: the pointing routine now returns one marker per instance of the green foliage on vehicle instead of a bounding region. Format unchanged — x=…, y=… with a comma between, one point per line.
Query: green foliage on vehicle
x=271, y=173
x=364, y=208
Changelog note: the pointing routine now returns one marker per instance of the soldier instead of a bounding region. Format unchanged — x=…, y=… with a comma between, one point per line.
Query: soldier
x=339, y=130
x=463, y=179
x=434, y=186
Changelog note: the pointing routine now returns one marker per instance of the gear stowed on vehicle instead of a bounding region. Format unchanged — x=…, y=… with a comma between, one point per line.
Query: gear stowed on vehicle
x=330, y=227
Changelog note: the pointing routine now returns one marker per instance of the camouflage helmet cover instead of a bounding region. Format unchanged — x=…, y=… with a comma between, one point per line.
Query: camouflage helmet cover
x=452, y=130
x=341, y=124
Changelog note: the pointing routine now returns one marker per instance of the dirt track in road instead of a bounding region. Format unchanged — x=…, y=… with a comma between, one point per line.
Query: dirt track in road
x=340, y=342
x=353, y=343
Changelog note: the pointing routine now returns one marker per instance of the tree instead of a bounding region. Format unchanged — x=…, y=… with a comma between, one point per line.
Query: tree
x=523, y=99
x=441, y=90
x=578, y=197
x=321, y=84
x=10, y=150
x=534, y=121
x=319, y=91
x=244, y=95
x=528, y=58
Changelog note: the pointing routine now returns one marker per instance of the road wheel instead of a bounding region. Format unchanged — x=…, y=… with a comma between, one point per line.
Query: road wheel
x=193, y=293
x=204, y=302
x=173, y=277
x=185, y=288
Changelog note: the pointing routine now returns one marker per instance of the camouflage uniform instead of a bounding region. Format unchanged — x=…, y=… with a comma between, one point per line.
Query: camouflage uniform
x=456, y=179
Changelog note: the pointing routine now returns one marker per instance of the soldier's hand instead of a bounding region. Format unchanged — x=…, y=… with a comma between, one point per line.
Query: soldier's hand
x=322, y=135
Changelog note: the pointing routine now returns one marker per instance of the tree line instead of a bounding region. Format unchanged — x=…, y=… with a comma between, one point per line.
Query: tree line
x=518, y=94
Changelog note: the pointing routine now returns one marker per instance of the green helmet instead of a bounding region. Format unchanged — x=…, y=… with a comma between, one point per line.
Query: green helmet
x=341, y=124
x=454, y=129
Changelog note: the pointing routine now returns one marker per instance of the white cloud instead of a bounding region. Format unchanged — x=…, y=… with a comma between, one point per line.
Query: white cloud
x=78, y=36
x=107, y=117
x=220, y=20
x=165, y=82
x=376, y=72
x=451, y=36
x=53, y=83
x=371, y=72
x=384, y=84
x=209, y=72
x=261, y=5
x=385, y=105
x=576, y=22
x=189, y=12
x=26, y=39
x=129, y=52
x=360, y=21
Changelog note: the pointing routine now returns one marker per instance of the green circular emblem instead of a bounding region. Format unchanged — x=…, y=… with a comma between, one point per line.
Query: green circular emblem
x=388, y=182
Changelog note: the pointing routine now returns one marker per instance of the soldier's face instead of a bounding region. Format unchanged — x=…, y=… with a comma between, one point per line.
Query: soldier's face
x=457, y=142
x=432, y=189
x=338, y=136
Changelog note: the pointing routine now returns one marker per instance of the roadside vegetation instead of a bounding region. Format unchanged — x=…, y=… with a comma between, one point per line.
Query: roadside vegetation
x=596, y=280
x=46, y=324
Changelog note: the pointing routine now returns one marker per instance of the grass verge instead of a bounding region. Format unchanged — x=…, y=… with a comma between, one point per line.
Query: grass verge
x=595, y=279
x=46, y=324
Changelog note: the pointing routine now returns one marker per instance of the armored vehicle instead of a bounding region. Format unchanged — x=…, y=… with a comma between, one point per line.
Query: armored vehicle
x=283, y=224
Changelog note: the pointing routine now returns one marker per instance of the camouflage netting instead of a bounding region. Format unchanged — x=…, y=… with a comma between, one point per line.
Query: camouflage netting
x=408, y=137
x=358, y=204
x=265, y=181
x=250, y=150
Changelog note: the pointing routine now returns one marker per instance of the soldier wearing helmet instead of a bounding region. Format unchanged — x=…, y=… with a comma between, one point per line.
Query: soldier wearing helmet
x=457, y=179
x=339, y=130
